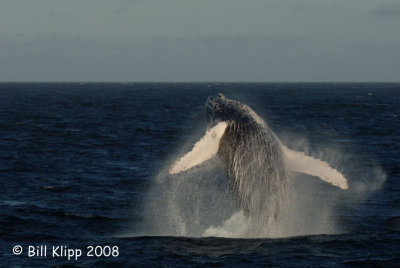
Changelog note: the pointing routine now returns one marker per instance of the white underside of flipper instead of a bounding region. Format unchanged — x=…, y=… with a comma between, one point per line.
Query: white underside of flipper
x=206, y=148
x=299, y=162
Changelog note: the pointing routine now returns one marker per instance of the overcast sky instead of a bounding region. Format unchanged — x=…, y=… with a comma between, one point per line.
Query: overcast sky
x=200, y=40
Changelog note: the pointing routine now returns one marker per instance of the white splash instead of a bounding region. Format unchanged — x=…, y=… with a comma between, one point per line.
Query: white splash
x=235, y=227
x=204, y=149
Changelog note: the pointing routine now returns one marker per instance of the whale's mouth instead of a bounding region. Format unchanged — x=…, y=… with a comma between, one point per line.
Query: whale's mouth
x=213, y=107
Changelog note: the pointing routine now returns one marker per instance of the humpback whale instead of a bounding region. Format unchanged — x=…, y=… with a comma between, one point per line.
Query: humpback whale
x=255, y=160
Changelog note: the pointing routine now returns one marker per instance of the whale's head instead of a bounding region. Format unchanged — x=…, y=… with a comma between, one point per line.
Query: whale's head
x=219, y=108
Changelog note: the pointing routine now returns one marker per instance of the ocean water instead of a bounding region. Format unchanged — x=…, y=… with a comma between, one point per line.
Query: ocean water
x=85, y=164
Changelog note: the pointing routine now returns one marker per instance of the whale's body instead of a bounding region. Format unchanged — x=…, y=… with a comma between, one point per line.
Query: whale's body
x=254, y=163
x=254, y=159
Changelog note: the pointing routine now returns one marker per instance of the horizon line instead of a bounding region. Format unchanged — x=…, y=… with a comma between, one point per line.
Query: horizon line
x=203, y=82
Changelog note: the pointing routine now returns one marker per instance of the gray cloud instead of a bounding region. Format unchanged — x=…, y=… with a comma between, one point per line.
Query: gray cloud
x=46, y=42
x=193, y=40
x=387, y=11
x=238, y=40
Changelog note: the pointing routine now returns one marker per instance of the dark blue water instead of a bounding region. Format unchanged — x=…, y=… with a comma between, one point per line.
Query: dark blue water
x=77, y=163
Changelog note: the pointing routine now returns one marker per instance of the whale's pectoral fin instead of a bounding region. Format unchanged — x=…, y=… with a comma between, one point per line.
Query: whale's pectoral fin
x=206, y=148
x=299, y=162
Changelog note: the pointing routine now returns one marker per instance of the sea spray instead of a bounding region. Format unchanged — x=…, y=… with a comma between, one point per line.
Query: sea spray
x=266, y=197
x=198, y=202
x=188, y=203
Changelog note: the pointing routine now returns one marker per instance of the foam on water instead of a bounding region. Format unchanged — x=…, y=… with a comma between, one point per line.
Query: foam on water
x=235, y=227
